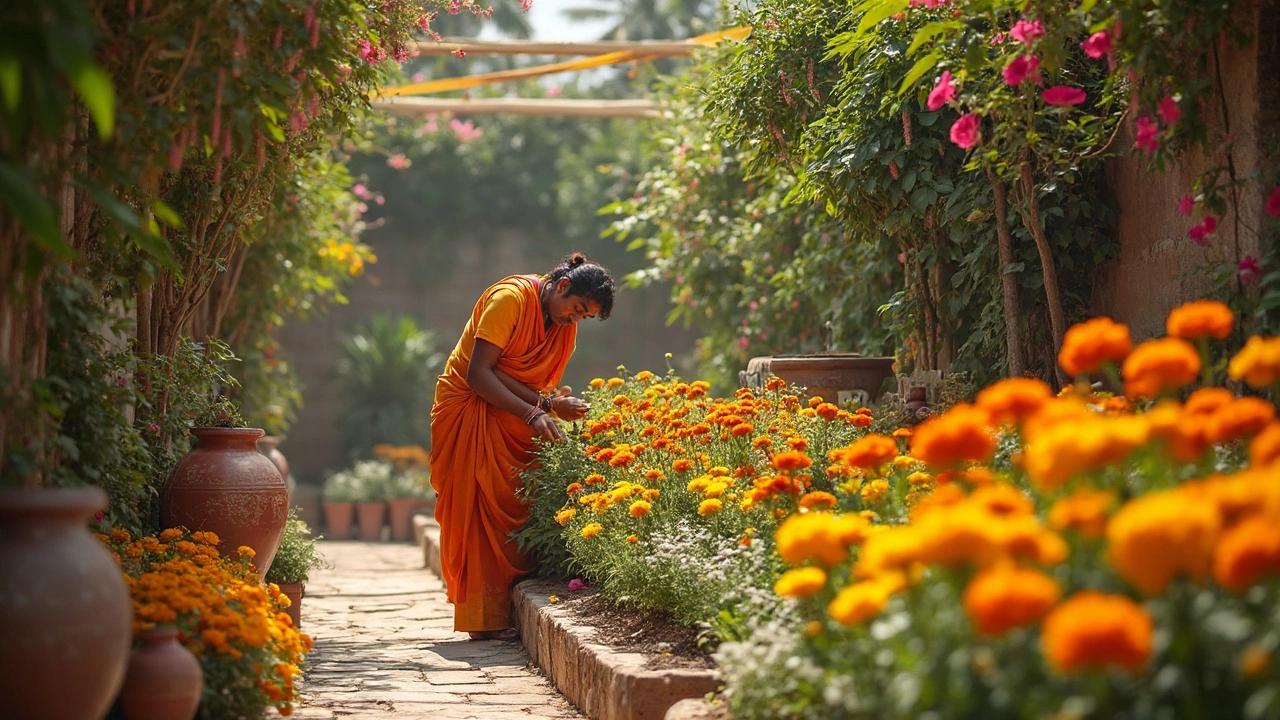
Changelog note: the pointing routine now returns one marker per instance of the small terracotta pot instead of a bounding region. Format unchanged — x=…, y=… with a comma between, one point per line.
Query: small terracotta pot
x=402, y=517
x=370, y=516
x=164, y=680
x=295, y=593
x=227, y=486
x=338, y=517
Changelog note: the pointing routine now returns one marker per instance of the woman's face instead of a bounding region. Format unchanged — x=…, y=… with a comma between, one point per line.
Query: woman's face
x=566, y=309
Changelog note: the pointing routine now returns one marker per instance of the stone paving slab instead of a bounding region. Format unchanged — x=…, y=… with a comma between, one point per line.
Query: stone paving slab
x=385, y=648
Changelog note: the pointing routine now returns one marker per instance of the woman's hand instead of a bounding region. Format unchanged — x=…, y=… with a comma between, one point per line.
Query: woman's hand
x=567, y=407
x=546, y=428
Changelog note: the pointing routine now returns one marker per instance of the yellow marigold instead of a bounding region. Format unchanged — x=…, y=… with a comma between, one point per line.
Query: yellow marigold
x=652, y=494
x=815, y=401
x=870, y=452
x=800, y=582
x=639, y=508
x=1158, y=365
x=902, y=462
x=1084, y=511
x=1056, y=454
x=654, y=474
x=790, y=460
x=1158, y=537
x=1258, y=362
x=1265, y=448
x=875, y=491
x=572, y=488
x=1013, y=400
x=1093, y=631
x=616, y=382
x=1201, y=319
x=956, y=436
x=594, y=479
x=1087, y=345
x=591, y=530
x=817, y=499
x=644, y=376
x=1247, y=553
x=811, y=536
x=860, y=602
x=682, y=465
x=170, y=534
x=719, y=471
x=1004, y=596
x=596, y=383
x=919, y=478
x=710, y=506
x=245, y=551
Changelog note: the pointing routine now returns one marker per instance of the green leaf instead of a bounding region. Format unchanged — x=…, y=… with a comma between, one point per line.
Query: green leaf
x=974, y=57
x=929, y=32
x=877, y=12
x=93, y=84
x=34, y=212
x=917, y=71
x=145, y=235
x=1087, y=5
x=167, y=215
x=11, y=81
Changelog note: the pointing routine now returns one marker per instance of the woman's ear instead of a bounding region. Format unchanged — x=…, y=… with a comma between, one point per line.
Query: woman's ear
x=562, y=287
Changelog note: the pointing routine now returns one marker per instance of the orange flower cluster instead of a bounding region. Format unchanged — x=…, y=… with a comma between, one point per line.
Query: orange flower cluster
x=403, y=457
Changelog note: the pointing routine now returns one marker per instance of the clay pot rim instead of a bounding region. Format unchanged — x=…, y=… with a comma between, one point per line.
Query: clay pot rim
x=271, y=441
x=160, y=632
x=796, y=362
x=216, y=432
x=79, y=500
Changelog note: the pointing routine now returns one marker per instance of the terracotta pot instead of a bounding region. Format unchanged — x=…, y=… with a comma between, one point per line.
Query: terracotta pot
x=164, y=680
x=401, y=511
x=269, y=445
x=370, y=516
x=338, y=517
x=295, y=592
x=227, y=486
x=825, y=376
x=66, y=621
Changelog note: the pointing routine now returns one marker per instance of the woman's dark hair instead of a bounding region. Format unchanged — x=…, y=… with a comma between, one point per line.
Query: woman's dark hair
x=586, y=280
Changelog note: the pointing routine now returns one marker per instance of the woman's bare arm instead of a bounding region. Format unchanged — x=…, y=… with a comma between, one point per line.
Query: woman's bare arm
x=482, y=376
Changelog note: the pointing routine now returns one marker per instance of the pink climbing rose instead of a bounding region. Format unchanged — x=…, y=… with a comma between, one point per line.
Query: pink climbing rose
x=1097, y=45
x=1146, y=135
x=943, y=91
x=575, y=585
x=1186, y=204
x=1273, y=203
x=1021, y=68
x=1169, y=111
x=1200, y=233
x=967, y=130
x=1064, y=96
x=398, y=161
x=1027, y=32
x=1250, y=268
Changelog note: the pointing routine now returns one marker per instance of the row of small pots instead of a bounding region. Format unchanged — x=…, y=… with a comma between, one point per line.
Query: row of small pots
x=370, y=517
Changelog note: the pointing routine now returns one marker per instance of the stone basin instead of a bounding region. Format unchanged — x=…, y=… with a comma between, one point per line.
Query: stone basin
x=835, y=377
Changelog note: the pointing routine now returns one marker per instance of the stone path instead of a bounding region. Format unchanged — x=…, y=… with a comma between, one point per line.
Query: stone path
x=385, y=647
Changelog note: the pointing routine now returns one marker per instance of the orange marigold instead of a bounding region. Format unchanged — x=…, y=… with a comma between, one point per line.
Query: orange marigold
x=800, y=582
x=1084, y=511
x=591, y=530
x=790, y=461
x=1095, y=631
x=1159, y=537
x=817, y=499
x=956, y=436
x=862, y=601
x=1004, y=596
x=1241, y=418
x=870, y=452
x=1258, y=362
x=1265, y=448
x=811, y=536
x=1247, y=553
x=1087, y=345
x=827, y=411
x=1158, y=365
x=1014, y=400
x=710, y=506
x=639, y=508
x=1201, y=319
x=682, y=465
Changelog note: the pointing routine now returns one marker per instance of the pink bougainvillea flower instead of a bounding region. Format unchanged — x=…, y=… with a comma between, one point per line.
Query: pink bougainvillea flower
x=1146, y=135
x=1169, y=111
x=153, y=427
x=943, y=91
x=1027, y=32
x=366, y=50
x=1273, y=203
x=1250, y=268
x=1097, y=45
x=930, y=4
x=1064, y=95
x=1200, y=233
x=398, y=161
x=526, y=4
x=999, y=38
x=554, y=91
x=575, y=585
x=467, y=131
x=361, y=191
x=967, y=131
x=1021, y=68
x=1186, y=204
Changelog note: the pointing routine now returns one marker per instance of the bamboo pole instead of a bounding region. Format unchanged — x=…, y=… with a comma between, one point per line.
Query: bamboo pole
x=470, y=46
x=521, y=106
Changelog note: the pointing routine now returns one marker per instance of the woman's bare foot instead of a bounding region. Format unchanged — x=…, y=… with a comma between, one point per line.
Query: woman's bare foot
x=504, y=634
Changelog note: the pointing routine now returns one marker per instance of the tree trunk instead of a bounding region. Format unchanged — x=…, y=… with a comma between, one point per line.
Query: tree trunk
x=1008, y=281
x=1057, y=318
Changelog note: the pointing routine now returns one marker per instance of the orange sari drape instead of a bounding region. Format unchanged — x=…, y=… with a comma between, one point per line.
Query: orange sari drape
x=478, y=450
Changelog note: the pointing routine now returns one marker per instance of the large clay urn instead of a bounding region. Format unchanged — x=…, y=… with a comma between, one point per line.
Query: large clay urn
x=164, y=679
x=227, y=486
x=66, y=621
x=835, y=377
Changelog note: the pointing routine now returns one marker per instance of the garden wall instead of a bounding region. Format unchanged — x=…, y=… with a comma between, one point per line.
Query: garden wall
x=1157, y=266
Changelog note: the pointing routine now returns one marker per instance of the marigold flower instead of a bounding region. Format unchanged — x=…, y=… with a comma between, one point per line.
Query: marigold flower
x=1095, y=631
x=875, y=491
x=1156, y=538
x=1158, y=365
x=644, y=376
x=860, y=602
x=956, y=436
x=827, y=411
x=817, y=499
x=1258, y=362
x=639, y=508
x=1088, y=345
x=1084, y=511
x=682, y=465
x=170, y=534
x=1247, y=553
x=572, y=488
x=762, y=443
x=1004, y=596
x=742, y=429
x=245, y=551
x=1241, y=418
x=1265, y=448
x=795, y=442
x=790, y=461
x=596, y=383
x=591, y=530
x=1201, y=319
x=1056, y=453
x=1013, y=400
x=800, y=582
x=633, y=539
x=869, y=452
x=616, y=382
x=811, y=536
x=593, y=479
x=710, y=506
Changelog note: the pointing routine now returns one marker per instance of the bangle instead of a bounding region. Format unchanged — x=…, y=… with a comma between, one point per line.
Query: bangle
x=544, y=402
x=533, y=415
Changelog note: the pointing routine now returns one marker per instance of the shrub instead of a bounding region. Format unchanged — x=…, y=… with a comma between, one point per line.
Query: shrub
x=297, y=555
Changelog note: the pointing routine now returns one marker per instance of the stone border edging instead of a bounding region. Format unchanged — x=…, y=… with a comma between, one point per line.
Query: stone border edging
x=426, y=532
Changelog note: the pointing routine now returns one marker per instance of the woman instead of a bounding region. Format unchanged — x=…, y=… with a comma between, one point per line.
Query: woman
x=493, y=403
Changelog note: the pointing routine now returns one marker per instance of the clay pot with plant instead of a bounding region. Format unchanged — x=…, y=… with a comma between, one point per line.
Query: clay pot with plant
x=293, y=564
x=164, y=679
x=409, y=491
x=339, y=494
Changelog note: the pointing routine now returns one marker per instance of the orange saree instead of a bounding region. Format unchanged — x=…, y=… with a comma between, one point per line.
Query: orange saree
x=478, y=450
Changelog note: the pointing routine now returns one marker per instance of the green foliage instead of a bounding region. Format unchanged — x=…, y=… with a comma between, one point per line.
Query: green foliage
x=366, y=481
x=297, y=555
x=388, y=371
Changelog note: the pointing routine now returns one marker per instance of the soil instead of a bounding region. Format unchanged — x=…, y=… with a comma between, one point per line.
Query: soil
x=664, y=642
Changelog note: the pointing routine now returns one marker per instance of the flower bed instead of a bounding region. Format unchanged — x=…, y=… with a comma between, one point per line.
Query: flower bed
x=1022, y=555
x=237, y=627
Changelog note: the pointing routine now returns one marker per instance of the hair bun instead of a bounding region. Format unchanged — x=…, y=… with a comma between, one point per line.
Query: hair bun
x=577, y=259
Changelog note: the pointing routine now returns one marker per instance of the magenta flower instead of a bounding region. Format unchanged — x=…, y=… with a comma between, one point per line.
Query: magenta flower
x=967, y=131
x=1097, y=45
x=153, y=427
x=1250, y=268
x=361, y=191
x=1200, y=233
x=1064, y=96
x=943, y=91
x=575, y=585
x=998, y=38
x=1146, y=135
x=1027, y=32
x=1169, y=111
x=398, y=161
x=1273, y=203
x=526, y=4
x=1186, y=204
x=1021, y=68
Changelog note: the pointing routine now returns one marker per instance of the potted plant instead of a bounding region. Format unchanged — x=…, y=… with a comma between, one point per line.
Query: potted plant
x=339, y=493
x=408, y=491
x=373, y=478
x=295, y=560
